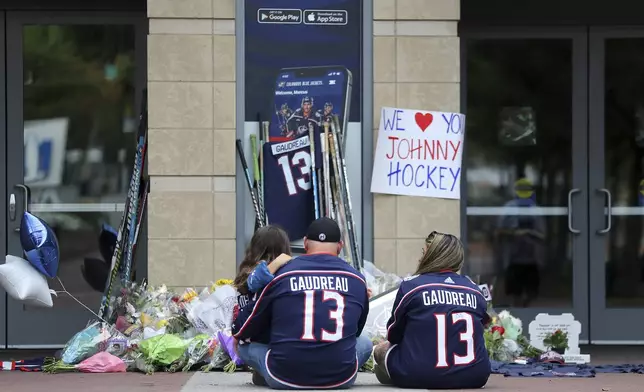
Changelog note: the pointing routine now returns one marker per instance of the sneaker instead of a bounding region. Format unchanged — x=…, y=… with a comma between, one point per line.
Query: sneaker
x=258, y=379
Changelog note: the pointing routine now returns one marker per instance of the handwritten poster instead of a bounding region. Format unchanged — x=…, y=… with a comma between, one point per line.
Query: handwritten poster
x=419, y=153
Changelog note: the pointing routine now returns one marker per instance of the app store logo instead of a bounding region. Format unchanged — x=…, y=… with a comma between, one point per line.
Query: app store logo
x=326, y=17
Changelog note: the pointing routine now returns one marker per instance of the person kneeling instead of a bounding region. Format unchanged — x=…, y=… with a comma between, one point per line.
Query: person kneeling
x=435, y=333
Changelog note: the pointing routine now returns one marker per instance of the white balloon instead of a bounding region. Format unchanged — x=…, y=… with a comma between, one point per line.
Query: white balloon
x=24, y=283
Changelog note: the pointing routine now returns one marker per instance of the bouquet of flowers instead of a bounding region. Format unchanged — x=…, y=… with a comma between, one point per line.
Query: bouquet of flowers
x=504, y=338
x=379, y=281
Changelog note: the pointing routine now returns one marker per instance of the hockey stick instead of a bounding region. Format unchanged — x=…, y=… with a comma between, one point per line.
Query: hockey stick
x=340, y=206
x=143, y=204
x=327, y=171
x=249, y=181
x=320, y=177
x=313, y=172
x=347, y=198
x=256, y=185
x=324, y=194
x=263, y=138
x=125, y=225
x=134, y=209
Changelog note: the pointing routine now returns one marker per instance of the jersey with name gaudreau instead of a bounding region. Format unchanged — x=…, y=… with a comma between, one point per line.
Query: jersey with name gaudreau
x=437, y=326
x=288, y=184
x=314, y=308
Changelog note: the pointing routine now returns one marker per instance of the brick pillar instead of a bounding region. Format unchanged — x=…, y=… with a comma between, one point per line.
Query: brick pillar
x=416, y=66
x=191, y=89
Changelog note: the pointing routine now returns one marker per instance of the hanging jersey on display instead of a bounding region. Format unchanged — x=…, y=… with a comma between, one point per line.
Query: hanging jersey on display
x=288, y=195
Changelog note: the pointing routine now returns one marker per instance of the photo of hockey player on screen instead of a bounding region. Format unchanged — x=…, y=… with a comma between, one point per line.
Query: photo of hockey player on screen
x=298, y=123
x=310, y=95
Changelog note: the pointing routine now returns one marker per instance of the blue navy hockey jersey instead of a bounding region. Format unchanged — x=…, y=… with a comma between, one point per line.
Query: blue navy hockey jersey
x=436, y=332
x=288, y=187
x=314, y=308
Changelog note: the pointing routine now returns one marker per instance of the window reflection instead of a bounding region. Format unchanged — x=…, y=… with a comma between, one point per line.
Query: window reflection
x=79, y=127
x=519, y=168
x=624, y=171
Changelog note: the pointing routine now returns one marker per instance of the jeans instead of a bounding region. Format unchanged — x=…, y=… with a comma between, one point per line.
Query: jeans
x=254, y=355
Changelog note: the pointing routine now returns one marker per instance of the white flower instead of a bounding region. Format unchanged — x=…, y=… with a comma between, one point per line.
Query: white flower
x=130, y=308
x=504, y=314
x=518, y=324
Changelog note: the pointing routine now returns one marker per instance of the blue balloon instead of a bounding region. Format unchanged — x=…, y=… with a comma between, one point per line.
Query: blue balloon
x=40, y=244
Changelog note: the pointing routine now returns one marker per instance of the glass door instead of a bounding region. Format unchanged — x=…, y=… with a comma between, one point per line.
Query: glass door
x=74, y=82
x=3, y=179
x=526, y=169
x=616, y=185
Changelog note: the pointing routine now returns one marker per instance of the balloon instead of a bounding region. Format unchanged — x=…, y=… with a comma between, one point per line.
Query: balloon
x=40, y=244
x=95, y=272
x=24, y=283
x=107, y=242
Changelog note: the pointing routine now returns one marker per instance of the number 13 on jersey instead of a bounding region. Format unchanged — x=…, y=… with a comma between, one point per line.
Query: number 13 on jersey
x=300, y=160
x=335, y=313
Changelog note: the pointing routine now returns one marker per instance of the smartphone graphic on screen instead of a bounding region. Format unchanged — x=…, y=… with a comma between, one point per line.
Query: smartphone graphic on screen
x=309, y=94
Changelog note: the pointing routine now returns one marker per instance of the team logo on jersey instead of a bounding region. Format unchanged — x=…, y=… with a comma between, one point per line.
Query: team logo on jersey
x=449, y=280
x=322, y=237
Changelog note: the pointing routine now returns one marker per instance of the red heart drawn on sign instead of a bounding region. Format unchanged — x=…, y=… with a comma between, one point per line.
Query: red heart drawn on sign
x=424, y=120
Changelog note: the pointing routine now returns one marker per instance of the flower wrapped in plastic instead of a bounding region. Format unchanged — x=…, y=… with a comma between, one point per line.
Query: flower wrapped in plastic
x=379, y=281
x=199, y=350
x=214, y=313
x=504, y=338
x=87, y=342
x=163, y=350
x=217, y=357
x=101, y=362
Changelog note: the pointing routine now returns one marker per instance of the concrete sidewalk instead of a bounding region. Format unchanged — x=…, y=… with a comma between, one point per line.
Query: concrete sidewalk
x=221, y=382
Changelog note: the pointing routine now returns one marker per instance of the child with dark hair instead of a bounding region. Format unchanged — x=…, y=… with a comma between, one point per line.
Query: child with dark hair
x=268, y=250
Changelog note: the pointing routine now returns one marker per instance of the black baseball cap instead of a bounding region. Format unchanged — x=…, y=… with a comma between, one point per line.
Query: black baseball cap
x=324, y=230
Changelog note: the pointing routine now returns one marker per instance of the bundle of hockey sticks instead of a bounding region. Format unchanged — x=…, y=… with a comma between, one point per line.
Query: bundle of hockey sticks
x=255, y=183
x=128, y=231
x=331, y=186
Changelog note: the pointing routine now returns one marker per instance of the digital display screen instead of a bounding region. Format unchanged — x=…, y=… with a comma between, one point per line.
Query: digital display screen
x=301, y=99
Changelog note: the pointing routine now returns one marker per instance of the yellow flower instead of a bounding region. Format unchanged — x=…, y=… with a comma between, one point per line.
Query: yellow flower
x=189, y=295
x=219, y=283
x=145, y=319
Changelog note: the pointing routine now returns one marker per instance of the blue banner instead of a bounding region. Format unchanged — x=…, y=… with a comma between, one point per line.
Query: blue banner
x=295, y=33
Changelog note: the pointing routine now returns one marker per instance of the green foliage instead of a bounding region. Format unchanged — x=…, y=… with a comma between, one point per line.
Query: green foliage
x=528, y=350
x=493, y=344
x=557, y=339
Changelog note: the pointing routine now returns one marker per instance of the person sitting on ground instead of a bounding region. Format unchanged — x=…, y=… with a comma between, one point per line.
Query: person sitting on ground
x=268, y=250
x=315, y=308
x=435, y=333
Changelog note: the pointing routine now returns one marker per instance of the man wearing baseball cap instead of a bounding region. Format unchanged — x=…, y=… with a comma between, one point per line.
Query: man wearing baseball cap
x=315, y=308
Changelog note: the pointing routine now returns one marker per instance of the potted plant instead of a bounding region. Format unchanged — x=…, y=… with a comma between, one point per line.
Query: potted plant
x=556, y=341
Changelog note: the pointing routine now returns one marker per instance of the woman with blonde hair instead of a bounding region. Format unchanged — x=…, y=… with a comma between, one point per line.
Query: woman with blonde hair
x=435, y=333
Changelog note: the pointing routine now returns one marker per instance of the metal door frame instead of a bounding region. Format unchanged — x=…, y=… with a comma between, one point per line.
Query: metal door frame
x=579, y=38
x=29, y=324
x=3, y=175
x=603, y=319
